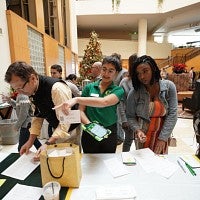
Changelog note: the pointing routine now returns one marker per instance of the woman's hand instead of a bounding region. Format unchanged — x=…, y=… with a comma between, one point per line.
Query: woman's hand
x=160, y=147
x=37, y=154
x=141, y=136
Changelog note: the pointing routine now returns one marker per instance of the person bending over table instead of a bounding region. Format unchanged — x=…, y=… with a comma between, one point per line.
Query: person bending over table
x=45, y=93
x=151, y=106
x=99, y=103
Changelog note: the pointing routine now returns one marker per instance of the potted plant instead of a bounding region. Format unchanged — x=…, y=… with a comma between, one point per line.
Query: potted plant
x=179, y=68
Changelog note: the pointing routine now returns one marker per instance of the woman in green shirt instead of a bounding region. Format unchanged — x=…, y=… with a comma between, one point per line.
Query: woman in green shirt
x=99, y=103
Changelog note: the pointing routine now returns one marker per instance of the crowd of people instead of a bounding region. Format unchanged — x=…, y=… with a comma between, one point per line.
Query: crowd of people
x=137, y=105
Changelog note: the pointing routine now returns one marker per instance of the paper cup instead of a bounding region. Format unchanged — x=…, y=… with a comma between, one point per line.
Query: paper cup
x=51, y=190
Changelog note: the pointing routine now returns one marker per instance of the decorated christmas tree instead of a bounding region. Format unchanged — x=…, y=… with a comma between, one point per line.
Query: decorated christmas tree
x=92, y=54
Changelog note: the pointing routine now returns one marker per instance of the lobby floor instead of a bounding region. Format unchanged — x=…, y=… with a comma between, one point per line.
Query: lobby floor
x=183, y=132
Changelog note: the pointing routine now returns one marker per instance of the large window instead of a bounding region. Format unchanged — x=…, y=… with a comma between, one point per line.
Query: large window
x=24, y=8
x=61, y=55
x=50, y=17
x=35, y=43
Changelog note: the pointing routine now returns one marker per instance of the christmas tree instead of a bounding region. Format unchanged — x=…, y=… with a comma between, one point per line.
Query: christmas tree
x=92, y=54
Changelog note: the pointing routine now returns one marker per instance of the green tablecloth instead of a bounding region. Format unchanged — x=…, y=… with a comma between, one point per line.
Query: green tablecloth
x=34, y=179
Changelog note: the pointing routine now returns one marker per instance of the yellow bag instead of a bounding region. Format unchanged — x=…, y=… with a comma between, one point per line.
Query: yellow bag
x=64, y=169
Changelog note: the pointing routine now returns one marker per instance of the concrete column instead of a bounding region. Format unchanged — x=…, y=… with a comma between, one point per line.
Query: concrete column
x=72, y=41
x=142, y=37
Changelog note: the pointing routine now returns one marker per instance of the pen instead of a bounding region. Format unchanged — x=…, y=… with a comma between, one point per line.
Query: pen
x=189, y=167
x=181, y=166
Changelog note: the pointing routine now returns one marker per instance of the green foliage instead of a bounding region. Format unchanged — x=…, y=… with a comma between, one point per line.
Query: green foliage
x=92, y=54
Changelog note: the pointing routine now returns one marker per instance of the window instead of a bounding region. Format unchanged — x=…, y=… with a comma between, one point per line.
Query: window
x=35, y=43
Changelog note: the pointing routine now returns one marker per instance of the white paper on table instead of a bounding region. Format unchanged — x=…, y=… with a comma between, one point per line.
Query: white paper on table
x=115, y=193
x=72, y=118
x=115, y=167
x=153, y=163
x=22, y=167
x=164, y=167
x=146, y=158
x=24, y=192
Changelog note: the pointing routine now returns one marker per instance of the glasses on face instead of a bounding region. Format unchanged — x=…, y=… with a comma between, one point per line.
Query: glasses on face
x=22, y=88
x=109, y=71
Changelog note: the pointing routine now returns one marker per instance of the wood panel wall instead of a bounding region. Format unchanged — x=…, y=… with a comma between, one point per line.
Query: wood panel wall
x=50, y=52
x=18, y=38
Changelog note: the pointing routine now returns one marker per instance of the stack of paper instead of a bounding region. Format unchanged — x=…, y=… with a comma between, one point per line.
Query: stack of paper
x=128, y=158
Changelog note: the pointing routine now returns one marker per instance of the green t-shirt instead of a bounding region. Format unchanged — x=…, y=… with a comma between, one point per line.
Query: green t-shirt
x=106, y=116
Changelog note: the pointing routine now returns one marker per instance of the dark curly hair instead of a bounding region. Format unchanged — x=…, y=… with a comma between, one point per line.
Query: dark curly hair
x=112, y=60
x=20, y=69
x=154, y=68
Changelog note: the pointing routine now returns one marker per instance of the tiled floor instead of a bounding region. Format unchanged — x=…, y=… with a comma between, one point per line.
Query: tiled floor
x=183, y=132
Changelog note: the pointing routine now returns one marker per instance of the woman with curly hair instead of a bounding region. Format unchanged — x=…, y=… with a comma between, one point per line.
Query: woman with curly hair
x=151, y=106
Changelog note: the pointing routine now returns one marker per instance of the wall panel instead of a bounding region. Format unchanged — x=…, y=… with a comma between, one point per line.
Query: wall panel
x=18, y=37
x=50, y=52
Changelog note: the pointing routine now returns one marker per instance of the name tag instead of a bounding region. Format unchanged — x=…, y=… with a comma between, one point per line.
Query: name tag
x=94, y=95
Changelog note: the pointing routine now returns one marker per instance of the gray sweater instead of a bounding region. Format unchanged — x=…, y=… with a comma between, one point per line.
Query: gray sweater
x=22, y=106
x=126, y=84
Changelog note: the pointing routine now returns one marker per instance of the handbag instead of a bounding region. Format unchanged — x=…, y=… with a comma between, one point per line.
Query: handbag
x=61, y=163
x=172, y=141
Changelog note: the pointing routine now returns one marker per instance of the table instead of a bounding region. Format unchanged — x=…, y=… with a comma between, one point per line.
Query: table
x=149, y=186
x=34, y=179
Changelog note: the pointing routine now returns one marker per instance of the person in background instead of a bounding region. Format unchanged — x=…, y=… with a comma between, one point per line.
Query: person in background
x=151, y=106
x=45, y=93
x=122, y=71
x=99, y=103
x=71, y=81
x=192, y=77
x=23, y=111
x=126, y=84
x=56, y=71
x=163, y=73
x=95, y=71
x=117, y=80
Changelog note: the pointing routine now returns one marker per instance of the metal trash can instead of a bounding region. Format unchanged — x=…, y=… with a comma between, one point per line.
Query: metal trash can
x=7, y=132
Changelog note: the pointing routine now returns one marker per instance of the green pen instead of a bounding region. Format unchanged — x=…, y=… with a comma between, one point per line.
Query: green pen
x=189, y=167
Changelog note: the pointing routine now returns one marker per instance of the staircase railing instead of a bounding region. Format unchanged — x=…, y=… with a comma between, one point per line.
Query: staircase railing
x=195, y=52
x=170, y=61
